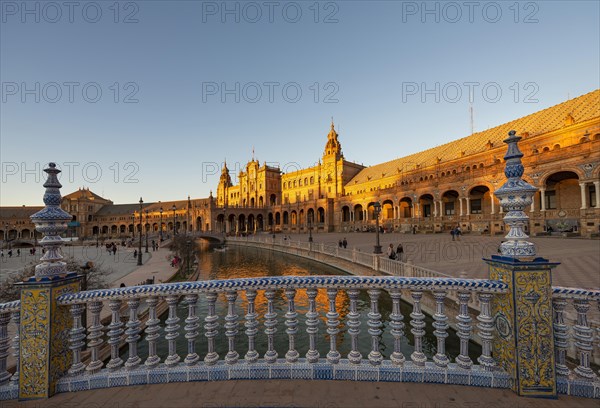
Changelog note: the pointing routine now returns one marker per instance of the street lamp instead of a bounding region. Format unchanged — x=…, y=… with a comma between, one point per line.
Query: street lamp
x=161, y=226
x=139, y=262
x=310, y=238
x=146, y=230
x=376, y=212
x=189, y=244
x=174, y=220
x=133, y=225
x=97, y=232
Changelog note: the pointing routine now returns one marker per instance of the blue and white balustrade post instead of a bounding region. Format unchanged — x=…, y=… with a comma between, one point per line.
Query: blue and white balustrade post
x=523, y=342
x=45, y=330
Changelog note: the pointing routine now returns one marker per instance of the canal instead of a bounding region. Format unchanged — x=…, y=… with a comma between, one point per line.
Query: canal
x=244, y=262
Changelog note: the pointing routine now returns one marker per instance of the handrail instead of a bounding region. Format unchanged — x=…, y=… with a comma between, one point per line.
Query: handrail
x=278, y=282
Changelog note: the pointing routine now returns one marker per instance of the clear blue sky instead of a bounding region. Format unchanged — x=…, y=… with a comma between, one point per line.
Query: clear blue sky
x=372, y=61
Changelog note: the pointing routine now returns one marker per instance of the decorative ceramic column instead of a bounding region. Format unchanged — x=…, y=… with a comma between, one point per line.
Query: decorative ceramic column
x=45, y=326
x=523, y=341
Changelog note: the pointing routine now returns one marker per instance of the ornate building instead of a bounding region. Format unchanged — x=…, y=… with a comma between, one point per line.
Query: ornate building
x=430, y=191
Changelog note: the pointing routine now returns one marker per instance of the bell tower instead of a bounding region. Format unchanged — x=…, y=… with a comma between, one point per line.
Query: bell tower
x=224, y=184
x=333, y=148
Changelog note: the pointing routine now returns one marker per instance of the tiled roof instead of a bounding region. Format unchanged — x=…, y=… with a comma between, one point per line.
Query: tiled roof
x=18, y=212
x=84, y=193
x=582, y=108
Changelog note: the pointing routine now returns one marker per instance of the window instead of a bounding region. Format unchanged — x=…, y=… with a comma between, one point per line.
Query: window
x=449, y=208
x=426, y=210
x=476, y=206
x=592, y=196
x=550, y=200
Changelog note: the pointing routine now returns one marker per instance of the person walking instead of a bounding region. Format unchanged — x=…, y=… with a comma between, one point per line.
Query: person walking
x=390, y=252
x=400, y=252
x=345, y=242
x=452, y=233
x=458, y=232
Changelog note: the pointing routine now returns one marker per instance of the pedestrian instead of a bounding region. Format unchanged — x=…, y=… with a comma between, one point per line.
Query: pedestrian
x=114, y=250
x=18, y=252
x=1, y=254
x=345, y=242
x=458, y=232
x=452, y=232
x=135, y=253
x=400, y=252
x=10, y=253
x=390, y=252
x=414, y=229
x=340, y=243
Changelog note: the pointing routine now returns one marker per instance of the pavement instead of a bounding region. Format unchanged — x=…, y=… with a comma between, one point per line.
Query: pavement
x=302, y=393
x=579, y=258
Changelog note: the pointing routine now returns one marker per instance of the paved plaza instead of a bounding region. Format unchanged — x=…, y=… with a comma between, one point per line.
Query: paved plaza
x=298, y=393
x=579, y=258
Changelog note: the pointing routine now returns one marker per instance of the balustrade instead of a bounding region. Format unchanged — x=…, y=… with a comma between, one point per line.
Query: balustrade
x=190, y=294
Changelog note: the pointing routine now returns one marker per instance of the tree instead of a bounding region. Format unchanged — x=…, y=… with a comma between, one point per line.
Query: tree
x=96, y=278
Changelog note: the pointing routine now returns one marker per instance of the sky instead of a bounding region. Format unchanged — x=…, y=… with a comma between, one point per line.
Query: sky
x=148, y=98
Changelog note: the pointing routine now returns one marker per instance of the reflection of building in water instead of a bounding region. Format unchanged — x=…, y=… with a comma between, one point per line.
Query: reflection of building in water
x=430, y=191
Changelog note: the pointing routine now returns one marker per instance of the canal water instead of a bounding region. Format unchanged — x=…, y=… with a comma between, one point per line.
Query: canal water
x=244, y=262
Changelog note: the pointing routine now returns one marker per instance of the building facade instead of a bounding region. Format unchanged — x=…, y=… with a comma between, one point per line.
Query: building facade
x=430, y=191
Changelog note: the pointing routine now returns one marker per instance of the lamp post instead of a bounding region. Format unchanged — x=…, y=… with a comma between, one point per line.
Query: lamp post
x=146, y=230
x=310, y=238
x=139, y=262
x=174, y=220
x=97, y=232
x=189, y=244
x=161, y=226
x=376, y=212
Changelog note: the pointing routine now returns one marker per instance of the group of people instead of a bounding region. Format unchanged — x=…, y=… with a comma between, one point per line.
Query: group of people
x=343, y=243
x=397, y=254
x=456, y=233
x=10, y=252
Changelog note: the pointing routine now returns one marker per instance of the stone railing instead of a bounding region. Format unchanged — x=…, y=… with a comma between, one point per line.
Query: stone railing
x=579, y=336
x=366, y=364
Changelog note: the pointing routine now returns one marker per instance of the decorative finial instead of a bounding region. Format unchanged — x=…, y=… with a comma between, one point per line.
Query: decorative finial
x=515, y=195
x=51, y=221
x=332, y=125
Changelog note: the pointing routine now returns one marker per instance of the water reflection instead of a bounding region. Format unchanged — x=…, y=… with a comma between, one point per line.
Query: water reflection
x=239, y=262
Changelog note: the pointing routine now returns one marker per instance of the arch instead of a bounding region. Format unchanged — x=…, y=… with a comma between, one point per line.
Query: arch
x=241, y=223
x=259, y=222
x=273, y=199
x=294, y=217
x=251, y=224
x=405, y=207
x=277, y=218
x=310, y=213
x=260, y=201
x=301, y=220
x=564, y=173
x=345, y=213
x=198, y=223
x=252, y=202
x=562, y=191
x=113, y=229
x=270, y=219
x=286, y=218
x=12, y=234
x=320, y=215
x=449, y=199
x=105, y=229
x=154, y=227
x=26, y=233
x=426, y=205
x=95, y=230
x=387, y=209
x=122, y=229
x=358, y=213
x=312, y=179
x=479, y=200
x=556, y=146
